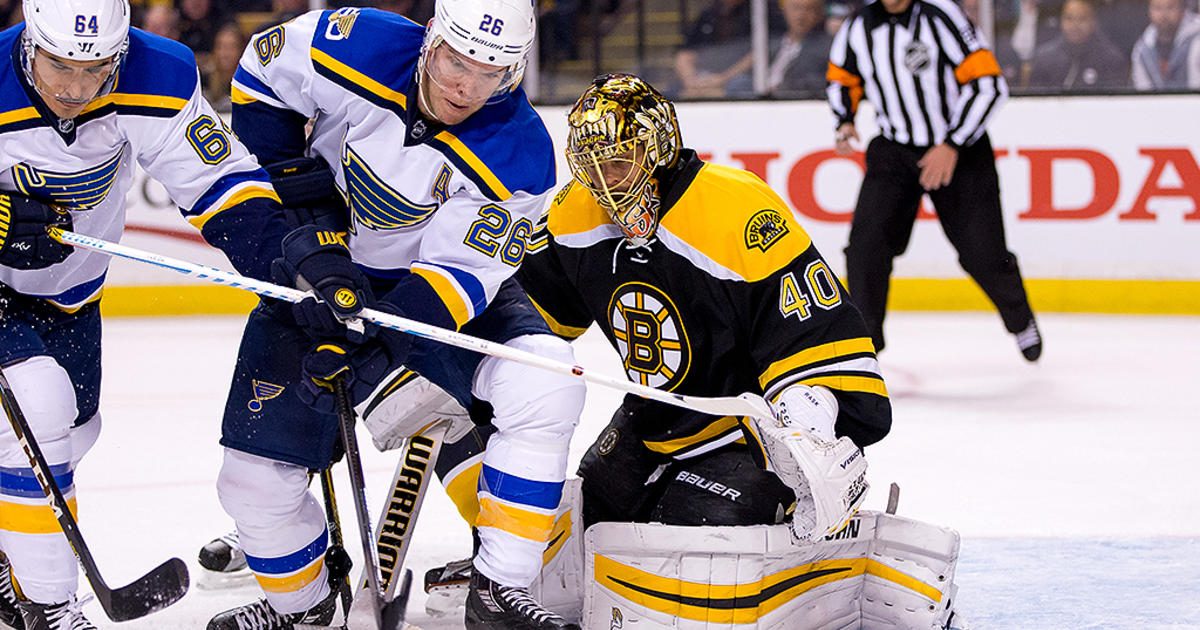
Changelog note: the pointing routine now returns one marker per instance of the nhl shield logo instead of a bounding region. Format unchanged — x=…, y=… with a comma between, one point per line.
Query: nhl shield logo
x=765, y=229
x=916, y=57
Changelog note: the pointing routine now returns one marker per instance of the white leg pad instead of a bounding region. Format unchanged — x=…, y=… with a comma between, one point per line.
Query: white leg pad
x=882, y=572
x=560, y=586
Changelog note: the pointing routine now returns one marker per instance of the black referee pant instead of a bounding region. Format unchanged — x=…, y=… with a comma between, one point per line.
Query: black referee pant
x=969, y=210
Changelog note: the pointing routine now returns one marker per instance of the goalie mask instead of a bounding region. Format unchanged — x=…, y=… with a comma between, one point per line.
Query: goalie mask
x=492, y=39
x=620, y=132
x=74, y=34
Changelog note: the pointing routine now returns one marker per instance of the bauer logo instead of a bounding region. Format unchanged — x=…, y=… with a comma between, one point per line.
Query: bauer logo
x=262, y=391
x=765, y=229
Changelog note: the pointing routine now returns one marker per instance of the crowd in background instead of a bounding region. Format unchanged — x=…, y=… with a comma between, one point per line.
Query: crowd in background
x=1043, y=46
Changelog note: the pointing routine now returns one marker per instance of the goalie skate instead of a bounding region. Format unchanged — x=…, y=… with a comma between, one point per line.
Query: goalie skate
x=223, y=563
x=446, y=587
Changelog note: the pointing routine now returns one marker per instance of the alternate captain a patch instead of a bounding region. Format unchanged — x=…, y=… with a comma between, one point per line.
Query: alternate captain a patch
x=765, y=229
x=650, y=336
x=80, y=190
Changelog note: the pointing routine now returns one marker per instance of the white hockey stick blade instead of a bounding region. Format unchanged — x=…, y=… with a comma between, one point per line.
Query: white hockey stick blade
x=747, y=404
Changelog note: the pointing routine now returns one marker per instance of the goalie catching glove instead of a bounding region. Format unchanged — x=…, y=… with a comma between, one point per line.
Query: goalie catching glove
x=24, y=241
x=317, y=260
x=827, y=474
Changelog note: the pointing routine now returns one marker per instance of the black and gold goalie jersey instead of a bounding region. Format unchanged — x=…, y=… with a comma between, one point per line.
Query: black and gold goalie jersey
x=730, y=296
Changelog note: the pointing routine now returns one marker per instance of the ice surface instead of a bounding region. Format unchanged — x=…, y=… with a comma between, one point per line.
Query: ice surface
x=1072, y=481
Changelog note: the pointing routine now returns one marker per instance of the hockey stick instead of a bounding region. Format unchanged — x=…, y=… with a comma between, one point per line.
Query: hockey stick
x=337, y=543
x=389, y=615
x=398, y=519
x=746, y=404
x=156, y=590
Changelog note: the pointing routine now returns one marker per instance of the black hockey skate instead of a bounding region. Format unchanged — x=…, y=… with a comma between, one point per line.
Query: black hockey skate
x=491, y=606
x=328, y=613
x=1029, y=341
x=223, y=554
x=10, y=615
x=62, y=616
x=446, y=586
x=260, y=616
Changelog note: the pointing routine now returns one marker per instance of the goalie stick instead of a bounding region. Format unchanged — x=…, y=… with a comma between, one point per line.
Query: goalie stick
x=414, y=473
x=747, y=404
x=389, y=614
x=156, y=590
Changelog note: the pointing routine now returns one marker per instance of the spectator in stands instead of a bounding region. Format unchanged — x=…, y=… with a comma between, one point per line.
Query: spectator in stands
x=1167, y=55
x=1081, y=57
x=802, y=55
x=10, y=12
x=1123, y=21
x=161, y=19
x=228, y=44
x=199, y=21
x=715, y=59
x=557, y=31
x=418, y=11
x=836, y=13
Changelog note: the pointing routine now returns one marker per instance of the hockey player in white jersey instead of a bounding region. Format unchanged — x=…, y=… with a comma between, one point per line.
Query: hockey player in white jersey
x=424, y=148
x=82, y=98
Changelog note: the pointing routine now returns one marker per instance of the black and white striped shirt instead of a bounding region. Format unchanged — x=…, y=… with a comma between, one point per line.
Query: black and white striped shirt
x=926, y=72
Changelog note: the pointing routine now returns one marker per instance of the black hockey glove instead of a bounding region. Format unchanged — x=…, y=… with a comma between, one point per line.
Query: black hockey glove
x=305, y=186
x=365, y=366
x=24, y=242
x=317, y=260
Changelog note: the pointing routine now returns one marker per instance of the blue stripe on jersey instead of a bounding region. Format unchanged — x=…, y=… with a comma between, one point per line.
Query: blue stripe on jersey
x=21, y=482
x=222, y=186
x=254, y=83
x=469, y=283
x=542, y=494
x=78, y=294
x=291, y=562
x=157, y=65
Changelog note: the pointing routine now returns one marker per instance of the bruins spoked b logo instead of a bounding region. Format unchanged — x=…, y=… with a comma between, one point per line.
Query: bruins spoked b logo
x=650, y=336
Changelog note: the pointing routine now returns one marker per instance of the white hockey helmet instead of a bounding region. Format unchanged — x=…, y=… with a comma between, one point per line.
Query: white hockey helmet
x=493, y=32
x=77, y=30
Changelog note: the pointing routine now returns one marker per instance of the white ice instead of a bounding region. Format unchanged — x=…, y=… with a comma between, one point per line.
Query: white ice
x=1073, y=481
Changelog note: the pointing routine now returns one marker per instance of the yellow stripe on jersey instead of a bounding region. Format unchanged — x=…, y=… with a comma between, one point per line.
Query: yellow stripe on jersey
x=575, y=211
x=239, y=97
x=249, y=192
x=865, y=384
x=823, y=352
x=720, y=427
x=498, y=189
x=733, y=218
x=525, y=524
x=459, y=310
x=18, y=115
x=294, y=582
x=23, y=518
x=462, y=488
x=560, y=329
x=358, y=78
x=155, y=101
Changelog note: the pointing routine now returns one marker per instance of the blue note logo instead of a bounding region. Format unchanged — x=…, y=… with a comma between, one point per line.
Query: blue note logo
x=262, y=391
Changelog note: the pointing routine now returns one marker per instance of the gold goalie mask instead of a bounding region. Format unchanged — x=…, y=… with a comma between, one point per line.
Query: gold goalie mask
x=621, y=132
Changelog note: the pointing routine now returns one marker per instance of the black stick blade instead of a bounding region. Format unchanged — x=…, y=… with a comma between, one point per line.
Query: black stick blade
x=152, y=592
x=393, y=611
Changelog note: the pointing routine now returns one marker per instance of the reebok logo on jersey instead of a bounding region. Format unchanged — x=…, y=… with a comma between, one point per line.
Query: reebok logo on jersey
x=718, y=489
x=765, y=229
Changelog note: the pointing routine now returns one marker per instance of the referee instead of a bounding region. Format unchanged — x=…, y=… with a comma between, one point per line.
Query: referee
x=934, y=87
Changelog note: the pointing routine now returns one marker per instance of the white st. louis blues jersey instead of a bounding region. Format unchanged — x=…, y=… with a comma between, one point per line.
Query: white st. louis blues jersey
x=452, y=205
x=155, y=116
